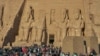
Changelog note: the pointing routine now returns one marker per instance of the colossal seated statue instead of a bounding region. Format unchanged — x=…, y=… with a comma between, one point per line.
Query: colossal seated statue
x=28, y=31
x=76, y=24
x=41, y=25
x=64, y=23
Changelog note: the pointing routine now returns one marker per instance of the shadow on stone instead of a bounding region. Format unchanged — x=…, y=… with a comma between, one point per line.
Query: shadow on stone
x=13, y=32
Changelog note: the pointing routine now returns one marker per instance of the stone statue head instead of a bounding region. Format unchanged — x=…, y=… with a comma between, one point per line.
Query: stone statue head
x=77, y=14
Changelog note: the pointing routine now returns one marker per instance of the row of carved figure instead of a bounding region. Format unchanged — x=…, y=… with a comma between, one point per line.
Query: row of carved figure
x=74, y=27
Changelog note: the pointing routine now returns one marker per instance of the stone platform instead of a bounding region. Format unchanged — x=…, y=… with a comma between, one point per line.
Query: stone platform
x=25, y=43
x=80, y=44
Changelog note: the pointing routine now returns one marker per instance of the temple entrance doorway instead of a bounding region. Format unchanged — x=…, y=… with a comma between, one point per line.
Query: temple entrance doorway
x=51, y=39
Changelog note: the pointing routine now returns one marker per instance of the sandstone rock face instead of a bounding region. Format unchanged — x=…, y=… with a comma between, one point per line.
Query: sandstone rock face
x=37, y=21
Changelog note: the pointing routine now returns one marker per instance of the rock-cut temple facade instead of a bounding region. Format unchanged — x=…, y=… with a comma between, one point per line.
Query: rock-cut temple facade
x=28, y=22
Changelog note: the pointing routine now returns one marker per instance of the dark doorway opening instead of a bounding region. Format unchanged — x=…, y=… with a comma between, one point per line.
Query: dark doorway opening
x=51, y=39
x=99, y=48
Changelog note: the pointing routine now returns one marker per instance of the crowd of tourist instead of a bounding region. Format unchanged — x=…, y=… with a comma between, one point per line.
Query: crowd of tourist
x=37, y=50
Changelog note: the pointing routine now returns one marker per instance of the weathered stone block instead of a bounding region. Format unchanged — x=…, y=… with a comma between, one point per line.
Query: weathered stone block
x=68, y=45
x=76, y=44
